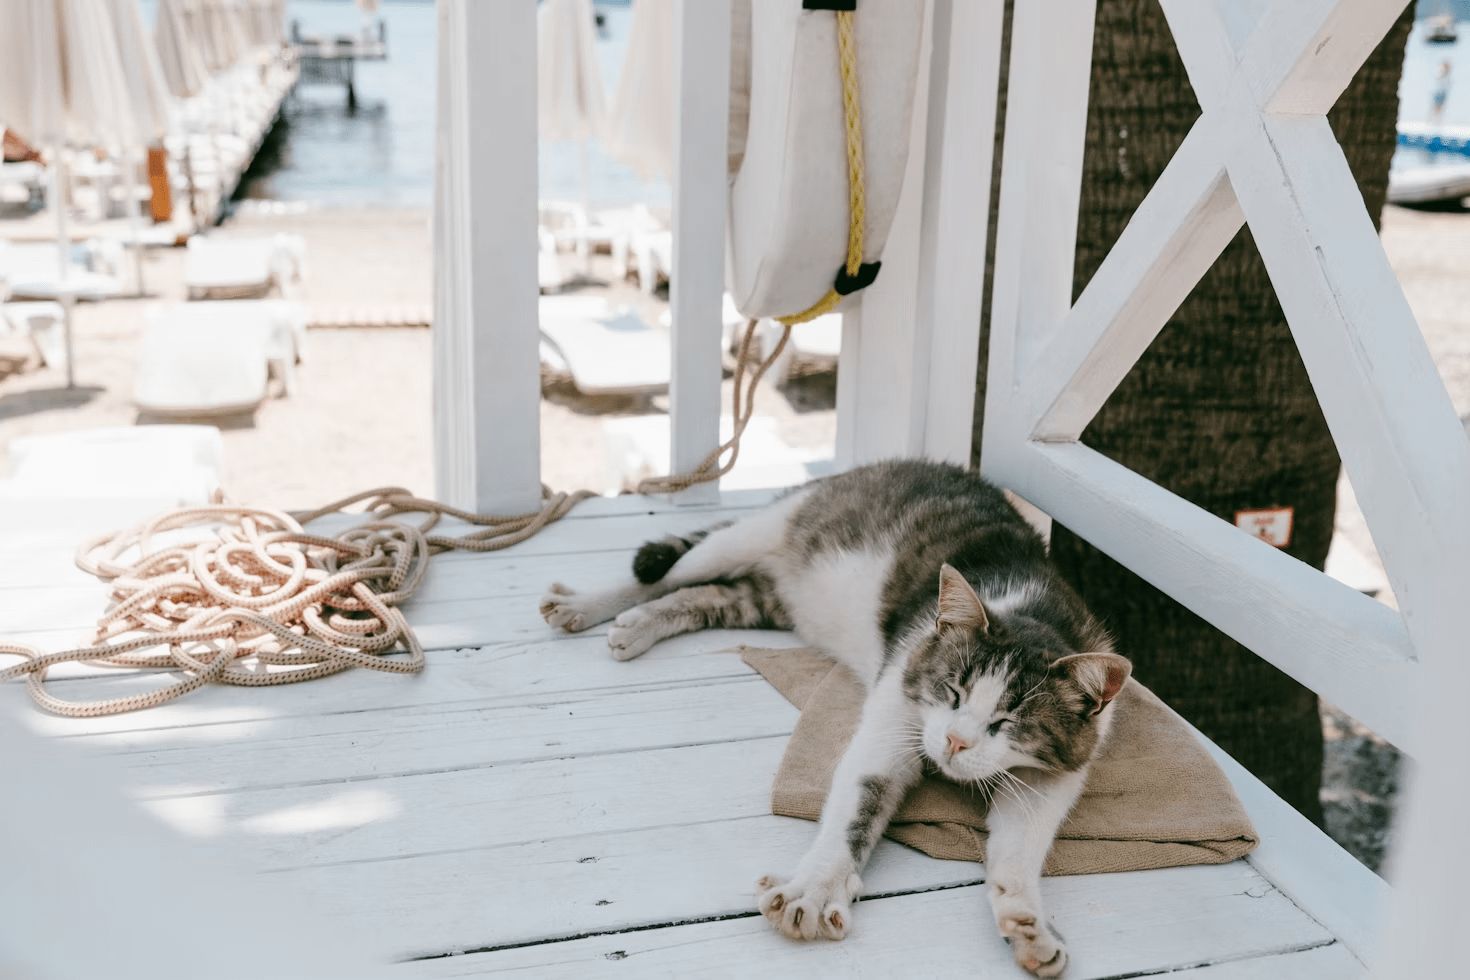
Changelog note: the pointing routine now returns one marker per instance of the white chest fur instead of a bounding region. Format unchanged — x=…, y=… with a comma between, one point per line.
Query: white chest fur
x=834, y=602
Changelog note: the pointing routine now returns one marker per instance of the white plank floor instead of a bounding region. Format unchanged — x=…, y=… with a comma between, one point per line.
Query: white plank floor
x=528, y=805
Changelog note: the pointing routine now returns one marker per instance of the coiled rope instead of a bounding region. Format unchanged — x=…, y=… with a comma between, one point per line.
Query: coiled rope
x=259, y=601
x=853, y=275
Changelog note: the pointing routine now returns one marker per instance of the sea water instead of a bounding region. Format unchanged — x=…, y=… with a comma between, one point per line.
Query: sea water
x=380, y=151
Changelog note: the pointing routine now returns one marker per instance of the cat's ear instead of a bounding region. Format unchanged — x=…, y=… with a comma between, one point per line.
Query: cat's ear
x=1100, y=676
x=959, y=606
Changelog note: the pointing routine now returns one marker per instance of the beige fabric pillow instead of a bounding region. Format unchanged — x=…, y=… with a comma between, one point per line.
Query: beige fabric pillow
x=1154, y=798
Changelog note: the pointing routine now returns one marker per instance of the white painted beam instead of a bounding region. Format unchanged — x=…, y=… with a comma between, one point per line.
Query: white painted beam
x=700, y=188
x=963, y=87
x=1404, y=449
x=487, y=393
x=1041, y=184
x=1177, y=233
x=1303, y=53
x=880, y=379
x=1345, y=646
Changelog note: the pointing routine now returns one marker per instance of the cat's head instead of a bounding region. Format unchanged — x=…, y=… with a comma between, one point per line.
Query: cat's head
x=1002, y=692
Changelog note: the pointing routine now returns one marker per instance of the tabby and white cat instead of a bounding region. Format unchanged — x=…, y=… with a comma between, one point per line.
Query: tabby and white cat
x=978, y=660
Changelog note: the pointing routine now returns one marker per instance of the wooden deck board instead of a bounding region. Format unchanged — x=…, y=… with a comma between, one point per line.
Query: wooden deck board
x=528, y=798
x=1117, y=925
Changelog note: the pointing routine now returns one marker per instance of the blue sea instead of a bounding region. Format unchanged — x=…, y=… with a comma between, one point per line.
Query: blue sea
x=380, y=152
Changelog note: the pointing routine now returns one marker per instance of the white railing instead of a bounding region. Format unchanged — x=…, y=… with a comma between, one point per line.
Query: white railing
x=1261, y=153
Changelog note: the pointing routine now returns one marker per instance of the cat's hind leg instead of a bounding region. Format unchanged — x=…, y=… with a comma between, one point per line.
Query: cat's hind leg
x=726, y=552
x=749, y=602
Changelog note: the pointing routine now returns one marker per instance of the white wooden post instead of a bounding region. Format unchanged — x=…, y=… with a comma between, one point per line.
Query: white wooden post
x=906, y=380
x=487, y=454
x=700, y=187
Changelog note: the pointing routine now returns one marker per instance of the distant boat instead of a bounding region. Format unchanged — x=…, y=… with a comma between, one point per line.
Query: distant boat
x=1442, y=29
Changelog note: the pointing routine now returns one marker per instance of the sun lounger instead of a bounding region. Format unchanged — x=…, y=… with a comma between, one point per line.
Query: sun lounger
x=44, y=323
x=638, y=447
x=32, y=270
x=22, y=182
x=817, y=342
x=201, y=369
x=274, y=331
x=235, y=267
x=607, y=351
x=128, y=472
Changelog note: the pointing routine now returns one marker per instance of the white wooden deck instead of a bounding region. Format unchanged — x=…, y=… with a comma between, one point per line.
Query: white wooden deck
x=528, y=805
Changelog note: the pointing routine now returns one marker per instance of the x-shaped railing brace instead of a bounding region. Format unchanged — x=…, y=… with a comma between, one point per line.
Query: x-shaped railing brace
x=1263, y=153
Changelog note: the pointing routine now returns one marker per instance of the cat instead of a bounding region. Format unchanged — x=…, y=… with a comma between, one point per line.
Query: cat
x=978, y=661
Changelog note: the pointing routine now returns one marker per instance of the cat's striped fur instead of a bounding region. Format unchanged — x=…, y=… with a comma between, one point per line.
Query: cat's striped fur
x=977, y=656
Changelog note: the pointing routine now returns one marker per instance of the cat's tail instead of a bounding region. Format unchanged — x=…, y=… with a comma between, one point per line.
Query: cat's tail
x=655, y=558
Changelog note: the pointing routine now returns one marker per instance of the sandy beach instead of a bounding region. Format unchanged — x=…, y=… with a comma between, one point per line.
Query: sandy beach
x=361, y=416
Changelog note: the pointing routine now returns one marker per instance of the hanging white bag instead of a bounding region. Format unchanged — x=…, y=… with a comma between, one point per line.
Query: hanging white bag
x=789, y=204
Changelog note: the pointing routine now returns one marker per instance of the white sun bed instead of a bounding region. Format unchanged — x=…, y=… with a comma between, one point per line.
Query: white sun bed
x=638, y=447
x=607, y=351
x=43, y=322
x=126, y=471
x=278, y=326
x=32, y=270
x=232, y=267
x=201, y=368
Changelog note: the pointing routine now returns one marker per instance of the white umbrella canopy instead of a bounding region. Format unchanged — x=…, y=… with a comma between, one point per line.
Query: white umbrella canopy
x=147, y=90
x=640, y=127
x=179, y=51
x=63, y=82
x=569, y=100
x=267, y=22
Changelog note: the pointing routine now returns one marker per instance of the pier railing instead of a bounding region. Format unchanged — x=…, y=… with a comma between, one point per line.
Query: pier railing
x=1261, y=154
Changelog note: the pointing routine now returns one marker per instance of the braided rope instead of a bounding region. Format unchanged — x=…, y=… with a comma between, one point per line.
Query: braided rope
x=709, y=468
x=259, y=588
x=856, y=174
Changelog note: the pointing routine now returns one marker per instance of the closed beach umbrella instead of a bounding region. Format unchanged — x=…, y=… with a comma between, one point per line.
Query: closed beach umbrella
x=147, y=91
x=640, y=127
x=62, y=84
x=61, y=78
x=569, y=101
x=179, y=53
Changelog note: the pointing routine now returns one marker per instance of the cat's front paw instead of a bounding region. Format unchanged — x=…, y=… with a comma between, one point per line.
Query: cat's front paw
x=806, y=908
x=562, y=608
x=1034, y=944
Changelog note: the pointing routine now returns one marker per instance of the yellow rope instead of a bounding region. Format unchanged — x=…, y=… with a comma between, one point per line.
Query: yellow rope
x=856, y=178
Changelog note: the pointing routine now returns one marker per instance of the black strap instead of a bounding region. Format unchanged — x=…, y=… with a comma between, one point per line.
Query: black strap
x=844, y=284
x=829, y=4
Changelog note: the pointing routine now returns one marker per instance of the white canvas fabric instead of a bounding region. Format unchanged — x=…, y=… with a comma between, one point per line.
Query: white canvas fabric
x=179, y=52
x=147, y=92
x=61, y=77
x=640, y=127
x=569, y=99
x=789, y=196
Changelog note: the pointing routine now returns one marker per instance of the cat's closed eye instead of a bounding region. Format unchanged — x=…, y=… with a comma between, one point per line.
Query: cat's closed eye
x=995, y=726
x=956, y=695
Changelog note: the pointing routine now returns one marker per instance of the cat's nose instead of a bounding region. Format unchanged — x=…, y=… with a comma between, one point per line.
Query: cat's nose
x=957, y=744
